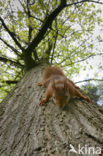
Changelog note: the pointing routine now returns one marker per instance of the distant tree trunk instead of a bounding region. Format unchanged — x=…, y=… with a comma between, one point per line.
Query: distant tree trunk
x=27, y=129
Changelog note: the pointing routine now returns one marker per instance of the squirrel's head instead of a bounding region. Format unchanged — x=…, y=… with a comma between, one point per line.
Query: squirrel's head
x=61, y=94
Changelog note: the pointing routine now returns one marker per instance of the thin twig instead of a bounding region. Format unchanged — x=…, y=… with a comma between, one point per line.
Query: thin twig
x=89, y=80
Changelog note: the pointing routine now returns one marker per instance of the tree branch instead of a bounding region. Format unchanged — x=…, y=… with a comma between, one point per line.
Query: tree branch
x=11, y=34
x=47, y=23
x=86, y=58
x=52, y=56
x=37, y=18
x=29, y=26
x=96, y=2
x=10, y=81
x=11, y=47
x=4, y=59
x=89, y=80
x=83, y=1
x=35, y=55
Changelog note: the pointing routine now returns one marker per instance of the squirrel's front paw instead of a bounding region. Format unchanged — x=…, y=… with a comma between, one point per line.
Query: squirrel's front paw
x=39, y=84
x=88, y=99
x=42, y=101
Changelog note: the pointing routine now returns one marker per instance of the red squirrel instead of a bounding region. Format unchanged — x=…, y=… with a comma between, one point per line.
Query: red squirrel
x=59, y=87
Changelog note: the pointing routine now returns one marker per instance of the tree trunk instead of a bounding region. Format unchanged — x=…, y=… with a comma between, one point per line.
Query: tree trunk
x=27, y=129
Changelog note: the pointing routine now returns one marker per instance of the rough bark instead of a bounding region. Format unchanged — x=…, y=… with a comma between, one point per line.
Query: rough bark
x=27, y=129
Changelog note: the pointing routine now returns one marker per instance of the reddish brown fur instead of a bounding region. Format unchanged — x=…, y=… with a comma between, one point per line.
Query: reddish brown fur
x=59, y=87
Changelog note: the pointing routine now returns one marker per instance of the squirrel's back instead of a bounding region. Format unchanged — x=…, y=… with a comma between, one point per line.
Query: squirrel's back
x=52, y=71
